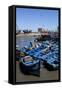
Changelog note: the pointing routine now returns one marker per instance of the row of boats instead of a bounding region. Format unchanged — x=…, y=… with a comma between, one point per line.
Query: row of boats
x=31, y=56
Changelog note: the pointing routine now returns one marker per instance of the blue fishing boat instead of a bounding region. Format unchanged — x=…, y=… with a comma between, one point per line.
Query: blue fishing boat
x=51, y=61
x=30, y=66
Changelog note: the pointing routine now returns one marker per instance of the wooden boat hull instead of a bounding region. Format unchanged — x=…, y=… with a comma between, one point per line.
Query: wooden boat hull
x=33, y=69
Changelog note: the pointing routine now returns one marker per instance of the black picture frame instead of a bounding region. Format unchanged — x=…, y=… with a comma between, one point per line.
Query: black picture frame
x=12, y=44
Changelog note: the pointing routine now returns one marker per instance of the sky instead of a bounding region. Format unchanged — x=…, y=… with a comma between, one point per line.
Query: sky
x=32, y=19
